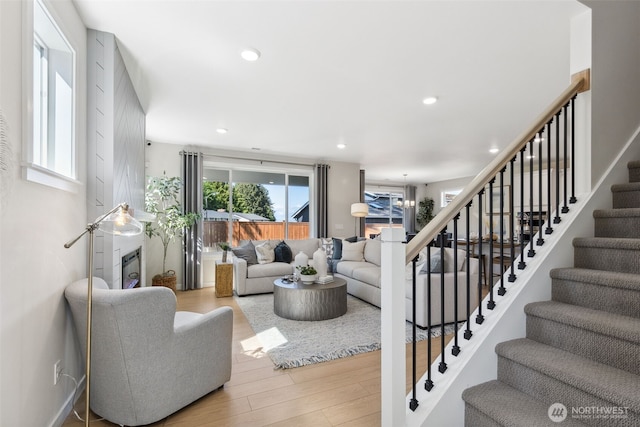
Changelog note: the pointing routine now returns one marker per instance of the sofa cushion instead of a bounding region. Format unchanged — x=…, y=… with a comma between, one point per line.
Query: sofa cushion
x=369, y=274
x=246, y=252
x=353, y=251
x=373, y=251
x=308, y=246
x=265, y=253
x=348, y=267
x=283, y=253
x=273, y=269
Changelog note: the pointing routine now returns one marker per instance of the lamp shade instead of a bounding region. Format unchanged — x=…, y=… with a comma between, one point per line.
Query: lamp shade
x=359, y=209
x=120, y=223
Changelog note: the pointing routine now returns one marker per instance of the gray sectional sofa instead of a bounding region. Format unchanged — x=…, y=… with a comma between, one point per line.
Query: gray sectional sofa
x=359, y=264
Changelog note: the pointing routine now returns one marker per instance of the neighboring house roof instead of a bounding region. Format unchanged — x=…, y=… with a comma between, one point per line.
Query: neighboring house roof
x=300, y=213
x=211, y=215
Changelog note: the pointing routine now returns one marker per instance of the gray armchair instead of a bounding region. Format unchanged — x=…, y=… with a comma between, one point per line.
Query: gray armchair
x=147, y=360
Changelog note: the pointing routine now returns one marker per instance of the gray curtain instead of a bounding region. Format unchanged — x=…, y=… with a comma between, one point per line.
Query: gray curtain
x=410, y=212
x=361, y=221
x=191, y=170
x=322, y=200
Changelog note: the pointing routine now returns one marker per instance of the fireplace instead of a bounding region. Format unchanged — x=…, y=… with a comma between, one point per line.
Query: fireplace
x=131, y=266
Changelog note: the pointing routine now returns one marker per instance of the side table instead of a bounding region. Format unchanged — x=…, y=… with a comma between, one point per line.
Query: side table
x=224, y=279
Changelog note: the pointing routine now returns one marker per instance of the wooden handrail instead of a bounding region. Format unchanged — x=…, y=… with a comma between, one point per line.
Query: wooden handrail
x=579, y=83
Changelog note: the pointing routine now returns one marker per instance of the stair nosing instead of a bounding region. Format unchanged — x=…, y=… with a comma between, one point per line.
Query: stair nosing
x=567, y=372
x=612, y=279
x=587, y=319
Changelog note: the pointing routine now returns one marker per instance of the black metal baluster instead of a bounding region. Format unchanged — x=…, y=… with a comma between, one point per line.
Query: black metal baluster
x=502, y=290
x=413, y=404
x=565, y=208
x=522, y=264
x=540, y=241
x=479, y=316
x=467, y=332
x=532, y=251
x=557, y=218
x=442, y=366
x=428, y=384
x=549, y=228
x=491, y=303
x=512, y=275
x=455, y=350
x=573, y=152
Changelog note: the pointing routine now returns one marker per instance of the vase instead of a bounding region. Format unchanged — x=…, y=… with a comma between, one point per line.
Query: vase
x=301, y=260
x=224, y=256
x=320, y=262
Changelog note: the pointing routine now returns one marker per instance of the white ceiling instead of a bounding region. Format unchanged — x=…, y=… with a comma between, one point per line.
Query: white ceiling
x=344, y=71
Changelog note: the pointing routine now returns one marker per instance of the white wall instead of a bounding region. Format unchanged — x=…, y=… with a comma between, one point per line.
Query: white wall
x=615, y=90
x=35, y=222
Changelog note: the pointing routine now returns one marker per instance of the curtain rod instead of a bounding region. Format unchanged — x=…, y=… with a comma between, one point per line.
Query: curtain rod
x=258, y=160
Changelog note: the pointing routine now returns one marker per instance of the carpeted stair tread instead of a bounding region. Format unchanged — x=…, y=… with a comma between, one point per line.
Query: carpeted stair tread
x=614, y=325
x=617, y=222
x=493, y=397
x=598, y=277
x=626, y=195
x=616, y=386
x=607, y=243
x=609, y=291
x=617, y=213
x=634, y=170
x=628, y=186
x=607, y=253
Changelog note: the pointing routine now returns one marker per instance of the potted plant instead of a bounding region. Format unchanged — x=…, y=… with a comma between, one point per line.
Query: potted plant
x=162, y=200
x=224, y=246
x=307, y=274
x=425, y=211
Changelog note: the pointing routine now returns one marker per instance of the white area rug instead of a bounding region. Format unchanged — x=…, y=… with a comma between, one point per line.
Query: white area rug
x=292, y=343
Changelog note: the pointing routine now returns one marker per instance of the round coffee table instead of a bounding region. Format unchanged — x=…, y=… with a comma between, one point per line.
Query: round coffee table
x=297, y=301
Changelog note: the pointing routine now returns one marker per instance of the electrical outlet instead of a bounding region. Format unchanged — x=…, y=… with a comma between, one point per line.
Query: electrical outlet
x=57, y=371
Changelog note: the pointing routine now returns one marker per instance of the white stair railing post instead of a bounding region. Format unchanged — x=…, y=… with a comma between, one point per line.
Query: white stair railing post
x=393, y=327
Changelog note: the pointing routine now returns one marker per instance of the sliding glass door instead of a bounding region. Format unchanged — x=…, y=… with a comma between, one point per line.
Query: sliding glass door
x=245, y=204
x=386, y=209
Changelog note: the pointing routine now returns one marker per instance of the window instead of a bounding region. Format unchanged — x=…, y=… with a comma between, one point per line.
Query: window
x=448, y=195
x=52, y=145
x=386, y=209
x=260, y=205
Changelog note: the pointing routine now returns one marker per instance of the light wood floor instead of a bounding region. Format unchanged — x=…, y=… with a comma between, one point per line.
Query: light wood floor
x=344, y=392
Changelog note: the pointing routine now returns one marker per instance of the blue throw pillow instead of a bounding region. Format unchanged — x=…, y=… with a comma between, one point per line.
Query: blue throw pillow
x=283, y=253
x=435, y=264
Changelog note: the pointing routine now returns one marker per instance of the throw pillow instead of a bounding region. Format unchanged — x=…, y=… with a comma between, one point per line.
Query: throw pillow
x=352, y=239
x=435, y=264
x=265, y=253
x=283, y=253
x=337, y=248
x=327, y=246
x=353, y=251
x=246, y=252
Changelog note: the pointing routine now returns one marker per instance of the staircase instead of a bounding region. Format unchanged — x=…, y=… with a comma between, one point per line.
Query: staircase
x=582, y=348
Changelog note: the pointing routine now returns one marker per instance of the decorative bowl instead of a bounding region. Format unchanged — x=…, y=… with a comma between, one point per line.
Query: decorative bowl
x=308, y=279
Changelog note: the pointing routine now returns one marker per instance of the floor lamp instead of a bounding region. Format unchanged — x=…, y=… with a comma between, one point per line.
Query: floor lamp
x=359, y=210
x=117, y=222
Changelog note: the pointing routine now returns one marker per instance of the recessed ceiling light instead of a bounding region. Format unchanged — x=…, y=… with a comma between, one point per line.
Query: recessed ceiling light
x=250, y=54
x=494, y=150
x=222, y=131
x=341, y=146
x=255, y=148
x=430, y=100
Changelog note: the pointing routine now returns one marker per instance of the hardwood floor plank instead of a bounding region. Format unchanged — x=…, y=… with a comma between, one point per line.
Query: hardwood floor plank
x=313, y=419
x=352, y=410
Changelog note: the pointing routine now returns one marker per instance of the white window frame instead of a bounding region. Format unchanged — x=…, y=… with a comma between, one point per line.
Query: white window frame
x=444, y=199
x=32, y=168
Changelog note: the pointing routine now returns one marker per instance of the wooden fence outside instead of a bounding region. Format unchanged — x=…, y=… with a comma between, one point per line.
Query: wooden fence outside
x=217, y=231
